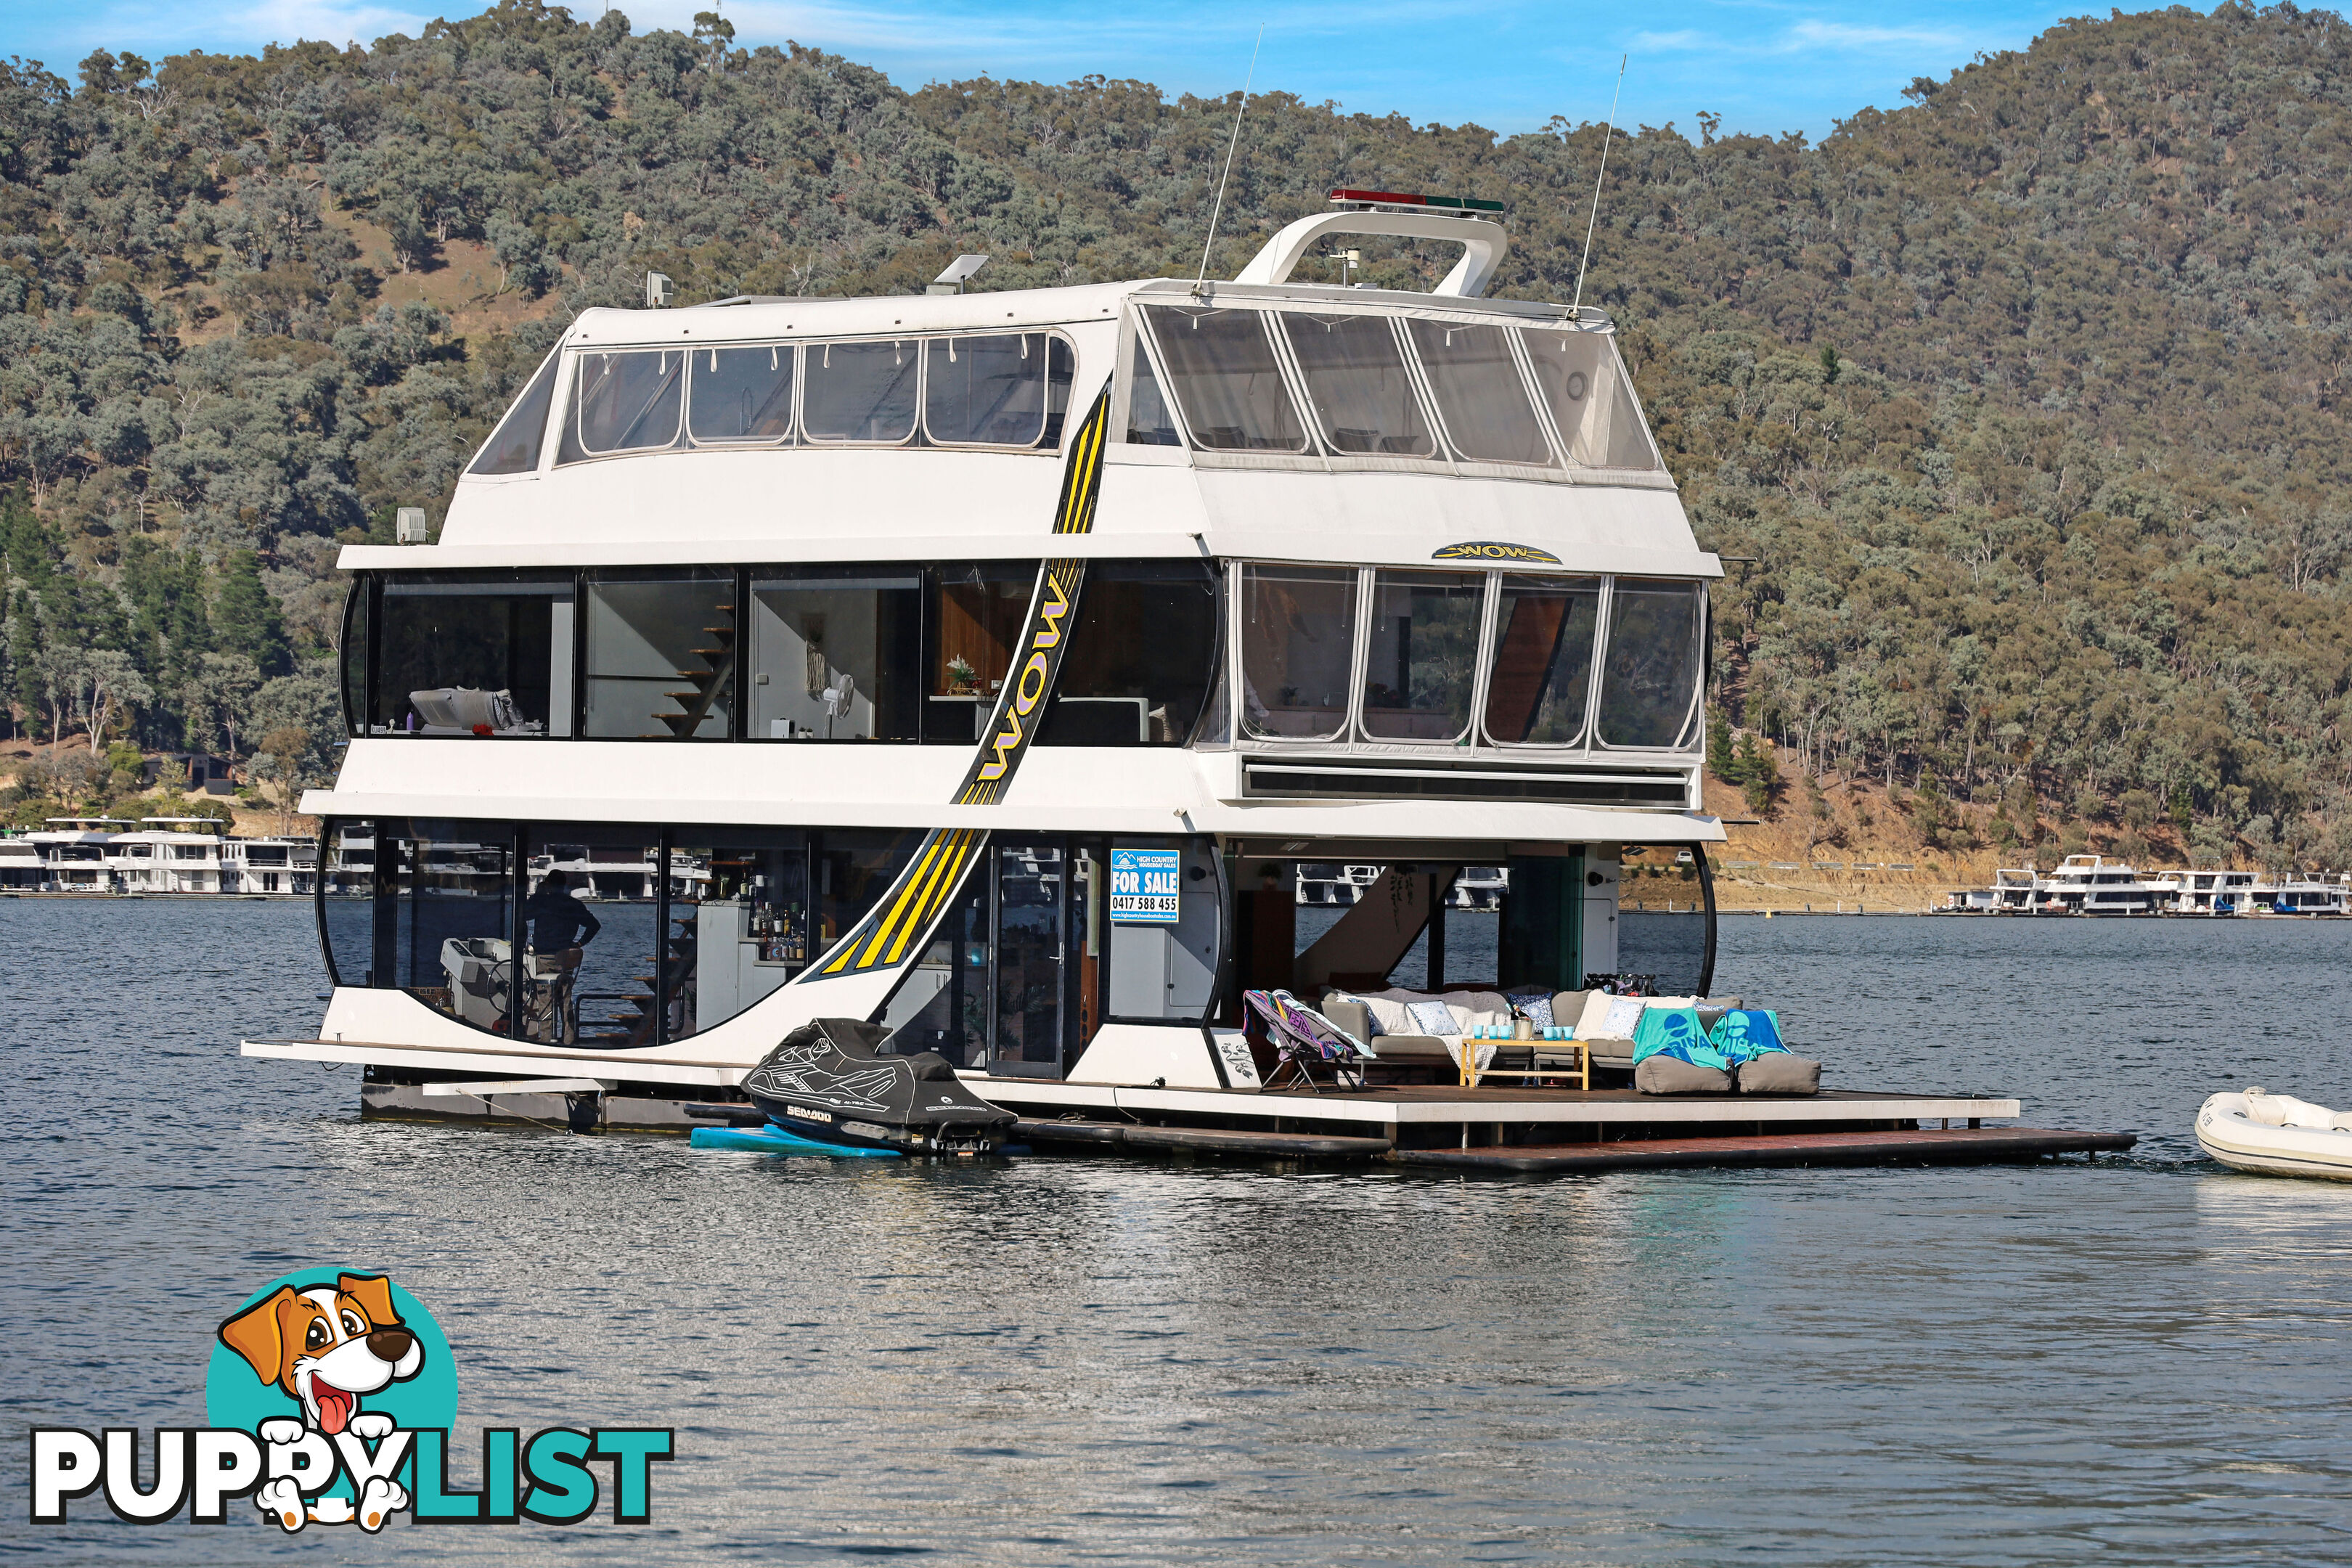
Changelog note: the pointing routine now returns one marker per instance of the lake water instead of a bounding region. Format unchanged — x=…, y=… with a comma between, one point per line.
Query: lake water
x=1058, y=1361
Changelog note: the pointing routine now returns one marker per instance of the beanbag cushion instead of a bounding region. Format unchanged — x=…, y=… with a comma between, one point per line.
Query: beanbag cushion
x=1664, y=1074
x=1779, y=1072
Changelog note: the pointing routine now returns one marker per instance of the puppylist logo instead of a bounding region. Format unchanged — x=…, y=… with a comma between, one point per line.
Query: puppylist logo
x=330, y=1397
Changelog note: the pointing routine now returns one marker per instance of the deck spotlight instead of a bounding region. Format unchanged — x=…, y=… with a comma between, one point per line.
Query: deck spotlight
x=659, y=291
x=408, y=526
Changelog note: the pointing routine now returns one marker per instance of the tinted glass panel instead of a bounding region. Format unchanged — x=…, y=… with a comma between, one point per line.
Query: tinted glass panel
x=1149, y=421
x=347, y=909
x=513, y=447
x=1422, y=661
x=474, y=658
x=1480, y=393
x=1582, y=380
x=740, y=923
x=1299, y=635
x=1141, y=656
x=740, y=394
x=860, y=392
x=986, y=390
x=1649, y=684
x=1222, y=369
x=454, y=945
x=836, y=655
x=1357, y=381
x=976, y=619
x=1542, y=673
x=943, y=1004
x=661, y=657
x=626, y=402
x=1033, y=888
x=353, y=656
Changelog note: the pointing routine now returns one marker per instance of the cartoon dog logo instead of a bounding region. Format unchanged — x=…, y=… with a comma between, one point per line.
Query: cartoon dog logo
x=326, y=1348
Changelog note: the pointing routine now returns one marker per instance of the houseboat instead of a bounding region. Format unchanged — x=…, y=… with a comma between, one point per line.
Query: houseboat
x=1004, y=669
x=2092, y=885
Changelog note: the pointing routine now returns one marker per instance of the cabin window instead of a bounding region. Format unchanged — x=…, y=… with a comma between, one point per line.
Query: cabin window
x=1480, y=395
x=660, y=656
x=477, y=655
x=1422, y=655
x=1004, y=389
x=1356, y=379
x=837, y=654
x=978, y=612
x=1538, y=685
x=513, y=447
x=1650, y=679
x=1151, y=422
x=1298, y=638
x=741, y=396
x=626, y=402
x=1141, y=658
x=1221, y=367
x=861, y=392
x=1591, y=398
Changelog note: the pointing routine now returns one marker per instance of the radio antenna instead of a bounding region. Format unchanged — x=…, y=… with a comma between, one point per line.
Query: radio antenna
x=1239, y=110
x=1579, y=303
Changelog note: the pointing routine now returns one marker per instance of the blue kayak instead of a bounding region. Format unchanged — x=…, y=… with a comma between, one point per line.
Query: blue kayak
x=774, y=1140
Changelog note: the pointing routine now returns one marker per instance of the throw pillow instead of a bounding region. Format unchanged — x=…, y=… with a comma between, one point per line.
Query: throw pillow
x=1432, y=1017
x=1533, y=1006
x=1372, y=1014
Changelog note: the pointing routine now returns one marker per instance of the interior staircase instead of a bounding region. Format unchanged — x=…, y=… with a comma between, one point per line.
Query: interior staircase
x=705, y=685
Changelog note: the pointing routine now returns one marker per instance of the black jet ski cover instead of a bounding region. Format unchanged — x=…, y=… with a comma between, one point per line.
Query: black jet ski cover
x=828, y=1081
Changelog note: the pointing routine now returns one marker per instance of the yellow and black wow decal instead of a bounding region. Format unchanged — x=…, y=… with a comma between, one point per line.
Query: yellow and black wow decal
x=887, y=936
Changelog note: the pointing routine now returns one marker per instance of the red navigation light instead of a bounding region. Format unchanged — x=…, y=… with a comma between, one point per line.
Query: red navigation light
x=1399, y=199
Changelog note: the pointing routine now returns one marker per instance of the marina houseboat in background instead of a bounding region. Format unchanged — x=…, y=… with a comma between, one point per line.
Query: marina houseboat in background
x=1006, y=671
x=2094, y=885
x=156, y=856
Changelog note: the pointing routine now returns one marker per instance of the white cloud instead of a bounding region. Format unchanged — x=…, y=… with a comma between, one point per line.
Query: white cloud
x=1840, y=35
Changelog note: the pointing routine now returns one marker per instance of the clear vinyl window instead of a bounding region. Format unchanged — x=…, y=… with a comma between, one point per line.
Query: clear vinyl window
x=1540, y=671
x=741, y=396
x=513, y=448
x=861, y=392
x=1222, y=368
x=625, y=401
x=1421, y=659
x=1362, y=395
x=1480, y=393
x=1591, y=398
x=1650, y=679
x=1299, y=645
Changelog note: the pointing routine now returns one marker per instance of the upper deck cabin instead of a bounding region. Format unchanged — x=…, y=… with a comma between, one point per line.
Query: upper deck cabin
x=1377, y=541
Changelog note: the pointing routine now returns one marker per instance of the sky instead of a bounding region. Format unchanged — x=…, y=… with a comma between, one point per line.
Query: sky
x=1765, y=66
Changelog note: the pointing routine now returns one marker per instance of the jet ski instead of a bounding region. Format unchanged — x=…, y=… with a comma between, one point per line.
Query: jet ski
x=2277, y=1134
x=828, y=1081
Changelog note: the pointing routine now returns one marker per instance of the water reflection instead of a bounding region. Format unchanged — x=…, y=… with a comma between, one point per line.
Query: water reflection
x=1053, y=1361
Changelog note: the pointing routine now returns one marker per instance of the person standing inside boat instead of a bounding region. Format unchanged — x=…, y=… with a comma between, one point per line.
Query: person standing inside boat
x=555, y=921
x=557, y=926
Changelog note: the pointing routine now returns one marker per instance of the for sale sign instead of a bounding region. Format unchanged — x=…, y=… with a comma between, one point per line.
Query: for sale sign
x=1144, y=886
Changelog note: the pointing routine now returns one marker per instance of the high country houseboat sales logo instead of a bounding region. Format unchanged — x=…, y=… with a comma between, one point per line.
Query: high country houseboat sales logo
x=330, y=1397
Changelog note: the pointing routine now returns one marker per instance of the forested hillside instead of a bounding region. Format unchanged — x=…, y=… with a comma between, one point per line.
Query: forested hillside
x=2025, y=400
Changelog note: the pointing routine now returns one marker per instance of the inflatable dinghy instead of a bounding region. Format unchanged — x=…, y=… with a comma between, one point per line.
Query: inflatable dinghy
x=828, y=1082
x=2277, y=1134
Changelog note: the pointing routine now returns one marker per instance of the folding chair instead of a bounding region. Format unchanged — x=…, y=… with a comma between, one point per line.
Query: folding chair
x=1303, y=1039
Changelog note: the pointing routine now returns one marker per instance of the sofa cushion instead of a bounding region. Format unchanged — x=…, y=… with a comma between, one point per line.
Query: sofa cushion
x=1535, y=1005
x=1608, y=1017
x=1671, y=1075
x=1779, y=1072
x=1351, y=1014
x=1413, y=1047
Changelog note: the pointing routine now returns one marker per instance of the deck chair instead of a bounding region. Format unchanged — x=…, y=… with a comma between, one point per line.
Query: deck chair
x=1304, y=1039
